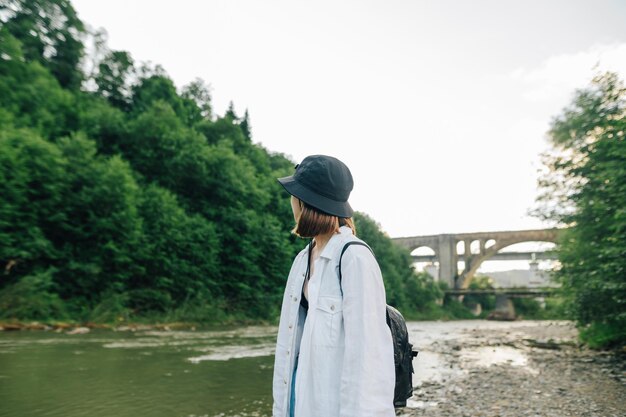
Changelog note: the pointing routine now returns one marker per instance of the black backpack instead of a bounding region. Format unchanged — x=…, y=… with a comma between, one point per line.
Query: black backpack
x=403, y=352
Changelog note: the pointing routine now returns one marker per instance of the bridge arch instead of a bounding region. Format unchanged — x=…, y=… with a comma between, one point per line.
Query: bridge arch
x=475, y=260
x=424, y=250
x=460, y=247
x=425, y=258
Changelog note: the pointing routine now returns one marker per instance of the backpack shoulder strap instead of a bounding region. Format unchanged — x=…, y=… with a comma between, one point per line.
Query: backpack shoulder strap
x=345, y=247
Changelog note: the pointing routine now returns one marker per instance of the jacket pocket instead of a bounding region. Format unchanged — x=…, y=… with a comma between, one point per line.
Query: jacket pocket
x=329, y=321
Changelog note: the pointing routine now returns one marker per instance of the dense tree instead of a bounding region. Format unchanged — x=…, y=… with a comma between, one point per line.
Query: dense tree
x=586, y=190
x=179, y=251
x=100, y=121
x=32, y=185
x=157, y=88
x=114, y=78
x=67, y=209
x=245, y=125
x=50, y=32
x=123, y=197
x=30, y=93
x=197, y=98
x=103, y=227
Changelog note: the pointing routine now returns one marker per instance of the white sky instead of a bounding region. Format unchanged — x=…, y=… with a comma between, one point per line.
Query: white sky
x=439, y=108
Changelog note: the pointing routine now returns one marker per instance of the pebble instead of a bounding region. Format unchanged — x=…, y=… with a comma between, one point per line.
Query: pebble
x=567, y=380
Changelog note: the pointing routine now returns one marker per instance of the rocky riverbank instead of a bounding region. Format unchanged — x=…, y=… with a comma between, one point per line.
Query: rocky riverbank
x=81, y=328
x=526, y=369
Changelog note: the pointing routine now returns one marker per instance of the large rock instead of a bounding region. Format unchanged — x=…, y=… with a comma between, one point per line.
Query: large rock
x=79, y=330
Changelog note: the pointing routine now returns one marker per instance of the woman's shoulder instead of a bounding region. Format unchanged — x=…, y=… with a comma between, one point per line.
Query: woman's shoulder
x=359, y=258
x=355, y=248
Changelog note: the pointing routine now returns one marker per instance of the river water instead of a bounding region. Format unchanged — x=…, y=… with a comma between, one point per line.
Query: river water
x=208, y=373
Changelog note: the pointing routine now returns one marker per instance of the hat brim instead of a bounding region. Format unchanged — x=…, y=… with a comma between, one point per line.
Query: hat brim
x=325, y=204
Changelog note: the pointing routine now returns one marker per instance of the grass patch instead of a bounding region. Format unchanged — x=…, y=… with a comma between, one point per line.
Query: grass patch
x=603, y=335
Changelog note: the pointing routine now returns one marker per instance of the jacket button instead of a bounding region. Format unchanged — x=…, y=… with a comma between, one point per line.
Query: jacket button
x=332, y=308
x=291, y=326
x=285, y=381
x=287, y=353
x=295, y=298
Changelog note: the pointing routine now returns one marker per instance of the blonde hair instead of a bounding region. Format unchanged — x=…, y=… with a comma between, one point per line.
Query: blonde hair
x=313, y=222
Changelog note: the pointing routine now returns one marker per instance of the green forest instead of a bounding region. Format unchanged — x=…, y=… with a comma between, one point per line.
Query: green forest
x=125, y=197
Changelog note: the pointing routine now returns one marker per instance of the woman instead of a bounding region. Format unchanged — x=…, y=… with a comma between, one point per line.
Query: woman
x=334, y=352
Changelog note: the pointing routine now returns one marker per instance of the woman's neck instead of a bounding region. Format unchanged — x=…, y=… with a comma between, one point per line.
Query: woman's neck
x=322, y=240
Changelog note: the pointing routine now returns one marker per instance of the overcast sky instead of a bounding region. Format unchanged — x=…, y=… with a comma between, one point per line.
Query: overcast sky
x=439, y=108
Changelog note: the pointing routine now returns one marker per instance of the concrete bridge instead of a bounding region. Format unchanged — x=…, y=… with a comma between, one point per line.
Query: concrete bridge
x=477, y=248
x=509, y=292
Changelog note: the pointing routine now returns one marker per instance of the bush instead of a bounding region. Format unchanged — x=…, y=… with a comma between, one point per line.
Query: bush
x=487, y=301
x=112, y=308
x=422, y=291
x=603, y=335
x=456, y=309
x=148, y=300
x=32, y=297
x=528, y=308
x=531, y=309
x=199, y=309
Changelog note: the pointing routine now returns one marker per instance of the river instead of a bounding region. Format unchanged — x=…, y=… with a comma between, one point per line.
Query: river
x=226, y=372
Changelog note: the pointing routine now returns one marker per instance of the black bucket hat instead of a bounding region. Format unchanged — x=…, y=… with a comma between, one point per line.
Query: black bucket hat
x=322, y=182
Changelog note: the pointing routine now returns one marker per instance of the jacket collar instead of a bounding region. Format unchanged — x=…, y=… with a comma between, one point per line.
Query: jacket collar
x=330, y=250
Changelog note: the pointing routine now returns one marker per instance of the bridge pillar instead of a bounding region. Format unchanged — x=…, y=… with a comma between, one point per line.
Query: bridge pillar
x=466, y=244
x=447, y=260
x=504, y=308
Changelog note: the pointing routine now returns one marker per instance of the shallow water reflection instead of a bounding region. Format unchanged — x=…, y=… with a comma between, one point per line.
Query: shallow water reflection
x=144, y=373
x=223, y=372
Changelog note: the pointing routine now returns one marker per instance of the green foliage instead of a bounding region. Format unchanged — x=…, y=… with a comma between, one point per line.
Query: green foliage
x=487, y=301
x=199, y=309
x=32, y=298
x=526, y=307
x=146, y=300
x=105, y=124
x=456, y=310
x=197, y=100
x=112, y=308
x=50, y=32
x=588, y=178
x=179, y=251
x=113, y=78
x=32, y=185
x=603, y=334
x=30, y=93
x=406, y=290
x=422, y=291
x=554, y=309
x=135, y=200
x=102, y=230
x=395, y=263
x=531, y=308
x=157, y=88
